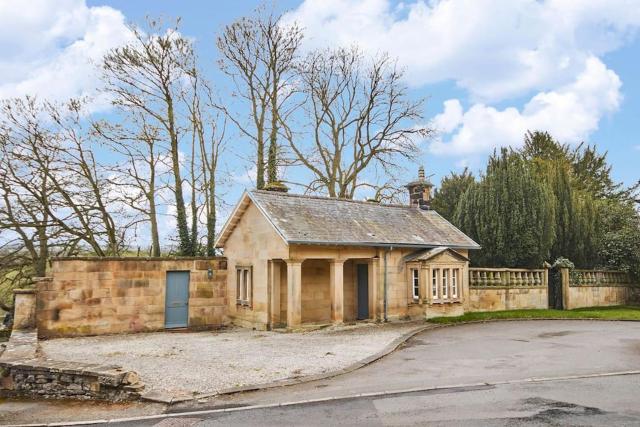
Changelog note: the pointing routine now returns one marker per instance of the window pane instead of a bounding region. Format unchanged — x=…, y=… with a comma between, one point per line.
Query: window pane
x=434, y=283
x=238, y=285
x=454, y=283
x=445, y=284
x=245, y=285
x=416, y=283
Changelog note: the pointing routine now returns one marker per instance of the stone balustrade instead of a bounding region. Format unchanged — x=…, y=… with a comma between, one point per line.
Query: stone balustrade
x=507, y=278
x=579, y=277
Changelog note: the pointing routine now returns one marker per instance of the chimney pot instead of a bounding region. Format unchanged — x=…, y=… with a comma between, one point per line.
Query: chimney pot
x=420, y=191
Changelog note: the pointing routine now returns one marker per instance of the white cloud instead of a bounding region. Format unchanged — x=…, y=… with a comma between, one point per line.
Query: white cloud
x=570, y=113
x=495, y=49
x=49, y=49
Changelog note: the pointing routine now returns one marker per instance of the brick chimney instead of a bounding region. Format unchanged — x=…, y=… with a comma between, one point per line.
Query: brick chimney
x=420, y=191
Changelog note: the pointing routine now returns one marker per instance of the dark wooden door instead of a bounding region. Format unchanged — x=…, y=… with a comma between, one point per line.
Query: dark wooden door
x=363, y=291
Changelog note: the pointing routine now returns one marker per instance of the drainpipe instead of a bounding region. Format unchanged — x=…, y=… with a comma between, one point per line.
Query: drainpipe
x=384, y=296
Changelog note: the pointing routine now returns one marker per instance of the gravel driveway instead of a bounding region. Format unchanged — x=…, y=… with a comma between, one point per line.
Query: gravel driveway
x=207, y=362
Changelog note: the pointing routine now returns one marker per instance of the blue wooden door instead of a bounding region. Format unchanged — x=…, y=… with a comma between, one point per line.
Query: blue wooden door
x=363, y=291
x=176, y=313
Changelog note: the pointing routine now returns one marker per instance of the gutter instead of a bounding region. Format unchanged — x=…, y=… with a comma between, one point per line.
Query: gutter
x=380, y=244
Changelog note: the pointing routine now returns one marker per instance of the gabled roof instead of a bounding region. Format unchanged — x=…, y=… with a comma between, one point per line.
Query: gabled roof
x=427, y=254
x=329, y=221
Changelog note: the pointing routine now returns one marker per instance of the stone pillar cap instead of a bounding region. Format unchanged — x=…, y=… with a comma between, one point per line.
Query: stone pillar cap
x=24, y=291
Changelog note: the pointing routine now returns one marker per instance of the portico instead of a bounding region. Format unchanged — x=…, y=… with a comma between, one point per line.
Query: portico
x=322, y=288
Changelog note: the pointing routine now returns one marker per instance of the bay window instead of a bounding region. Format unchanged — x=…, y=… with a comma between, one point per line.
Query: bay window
x=415, y=282
x=445, y=284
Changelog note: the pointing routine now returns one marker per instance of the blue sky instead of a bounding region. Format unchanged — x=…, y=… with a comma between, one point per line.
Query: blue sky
x=614, y=130
x=490, y=70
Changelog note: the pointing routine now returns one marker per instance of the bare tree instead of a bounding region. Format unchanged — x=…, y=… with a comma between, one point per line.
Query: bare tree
x=259, y=54
x=24, y=186
x=54, y=196
x=208, y=132
x=360, y=117
x=148, y=76
x=138, y=174
x=83, y=195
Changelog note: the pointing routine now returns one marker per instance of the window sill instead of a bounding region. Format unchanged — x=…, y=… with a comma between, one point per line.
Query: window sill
x=449, y=301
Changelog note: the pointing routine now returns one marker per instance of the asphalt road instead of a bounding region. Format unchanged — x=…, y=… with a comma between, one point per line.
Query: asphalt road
x=610, y=401
x=585, y=373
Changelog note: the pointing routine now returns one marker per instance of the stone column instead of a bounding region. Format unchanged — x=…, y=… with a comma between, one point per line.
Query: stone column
x=374, y=288
x=24, y=317
x=336, y=279
x=274, y=283
x=294, y=293
x=424, y=282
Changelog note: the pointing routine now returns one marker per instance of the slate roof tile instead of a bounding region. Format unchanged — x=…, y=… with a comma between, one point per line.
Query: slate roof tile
x=322, y=220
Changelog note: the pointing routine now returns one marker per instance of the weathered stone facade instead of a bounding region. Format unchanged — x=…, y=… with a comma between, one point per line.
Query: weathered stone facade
x=24, y=315
x=596, y=288
x=496, y=289
x=65, y=380
x=92, y=296
x=483, y=299
x=327, y=287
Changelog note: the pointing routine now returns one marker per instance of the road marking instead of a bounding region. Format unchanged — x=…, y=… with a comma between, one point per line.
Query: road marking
x=332, y=399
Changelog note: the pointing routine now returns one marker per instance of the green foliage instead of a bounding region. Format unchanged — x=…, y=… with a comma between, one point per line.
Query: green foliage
x=563, y=262
x=510, y=213
x=548, y=201
x=541, y=145
x=619, y=245
x=452, y=187
x=593, y=173
x=609, y=313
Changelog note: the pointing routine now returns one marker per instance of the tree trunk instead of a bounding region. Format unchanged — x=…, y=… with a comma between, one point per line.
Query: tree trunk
x=184, y=240
x=272, y=162
x=260, y=161
x=211, y=217
x=194, y=206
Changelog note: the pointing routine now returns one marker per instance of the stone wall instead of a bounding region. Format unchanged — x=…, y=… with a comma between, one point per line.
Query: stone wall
x=64, y=380
x=316, y=298
x=596, y=288
x=93, y=296
x=497, y=289
x=253, y=243
x=24, y=315
x=491, y=299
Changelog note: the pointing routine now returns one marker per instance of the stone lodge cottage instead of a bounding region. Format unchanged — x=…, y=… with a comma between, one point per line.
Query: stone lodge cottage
x=296, y=260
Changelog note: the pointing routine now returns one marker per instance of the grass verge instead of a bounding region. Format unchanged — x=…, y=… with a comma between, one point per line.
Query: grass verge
x=620, y=312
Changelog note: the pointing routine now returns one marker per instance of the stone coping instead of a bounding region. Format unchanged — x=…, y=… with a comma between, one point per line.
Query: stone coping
x=509, y=287
x=132, y=258
x=107, y=374
x=604, y=285
x=25, y=291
